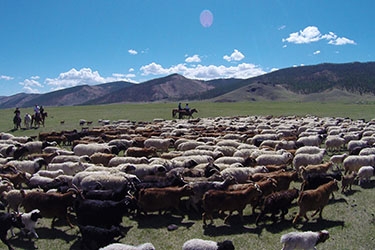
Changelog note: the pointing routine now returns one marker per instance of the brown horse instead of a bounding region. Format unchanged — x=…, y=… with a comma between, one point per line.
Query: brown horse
x=17, y=122
x=183, y=112
x=38, y=119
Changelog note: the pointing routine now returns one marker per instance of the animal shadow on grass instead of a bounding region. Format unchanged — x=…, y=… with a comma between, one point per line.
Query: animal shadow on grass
x=160, y=221
x=23, y=242
x=274, y=227
x=28, y=242
x=350, y=192
x=78, y=245
x=319, y=224
x=368, y=184
x=234, y=226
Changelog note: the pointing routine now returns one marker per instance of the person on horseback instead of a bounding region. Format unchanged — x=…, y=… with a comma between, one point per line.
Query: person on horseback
x=17, y=112
x=187, y=107
x=36, y=110
x=17, y=118
x=179, y=106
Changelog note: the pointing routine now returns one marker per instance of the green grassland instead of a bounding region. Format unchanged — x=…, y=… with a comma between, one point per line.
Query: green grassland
x=349, y=217
x=149, y=111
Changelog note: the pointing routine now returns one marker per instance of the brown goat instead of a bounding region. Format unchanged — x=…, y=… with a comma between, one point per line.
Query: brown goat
x=158, y=199
x=347, y=181
x=51, y=205
x=315, y=199
x=17, y=179
x=141, y=152
x=267, y=186
x=315, y=169
x=276, y=202
x=222, y=200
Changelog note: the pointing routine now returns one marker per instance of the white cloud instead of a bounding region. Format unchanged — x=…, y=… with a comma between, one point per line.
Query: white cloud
x=83, y=76
x=282, y=27
x=242, y=71
x=31, y=85
x=235, y=56
x=342, y=41
x=132, y=52
x=6, y=78
x=308, y=35
x=316, y=52
x=193, y=59
x=312, y=34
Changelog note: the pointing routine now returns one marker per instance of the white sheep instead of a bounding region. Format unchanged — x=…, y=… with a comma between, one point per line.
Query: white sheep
x=242, y=174
x=303, y=240
x=159, y=143
x=230, y=160
x=117, y=160
x=51, y=173
x=367, y=151
x=356, y=143
x=338, y=159
x=72, y=158
x=188, y=145
x=142, y=170
x=334, y=142
x=304, y=159
x=311, y=140
x=120, y=246
x=91, y=148
x=274, y=159
x=308, y=150
x=28, y=166
x=213, y=154
x=353, y=163
x=69, y=168
x=39, y=181
x=287, y=145
x=102, y=179
x=364, y=174
x=199, y=244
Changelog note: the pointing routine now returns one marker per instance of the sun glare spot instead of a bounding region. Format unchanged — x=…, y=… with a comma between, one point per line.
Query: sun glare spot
x=206, y=18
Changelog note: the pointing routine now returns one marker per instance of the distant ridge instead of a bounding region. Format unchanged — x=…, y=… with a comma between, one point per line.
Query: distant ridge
x=323, y=82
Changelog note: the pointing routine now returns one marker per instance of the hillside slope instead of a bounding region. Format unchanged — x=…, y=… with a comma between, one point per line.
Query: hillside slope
x=323, y=82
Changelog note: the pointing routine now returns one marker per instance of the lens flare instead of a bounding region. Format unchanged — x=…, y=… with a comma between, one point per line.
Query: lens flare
x=206, y=18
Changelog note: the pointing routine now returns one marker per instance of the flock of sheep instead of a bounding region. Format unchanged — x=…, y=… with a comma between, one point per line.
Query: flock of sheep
x=220, y=164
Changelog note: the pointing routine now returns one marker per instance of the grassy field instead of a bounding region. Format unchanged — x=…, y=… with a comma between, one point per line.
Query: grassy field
x=147, y=112
x=349, y=218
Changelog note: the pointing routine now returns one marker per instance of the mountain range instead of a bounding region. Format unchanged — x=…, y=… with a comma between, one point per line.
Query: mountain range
x=353, y=82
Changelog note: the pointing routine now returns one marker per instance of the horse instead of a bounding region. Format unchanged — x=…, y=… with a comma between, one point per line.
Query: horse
x=27, y=121
x=183, y=112
x=38, y=119
x=17, y=122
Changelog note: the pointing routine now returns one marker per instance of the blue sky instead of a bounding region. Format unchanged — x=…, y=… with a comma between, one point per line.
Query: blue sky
x=50, y=45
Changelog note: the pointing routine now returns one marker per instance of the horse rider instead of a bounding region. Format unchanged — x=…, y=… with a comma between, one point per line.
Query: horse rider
x=179, y=106
x=17, y=118
x=187, y=107
x=36, y=110
x=41, y=110
x=17, y=112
